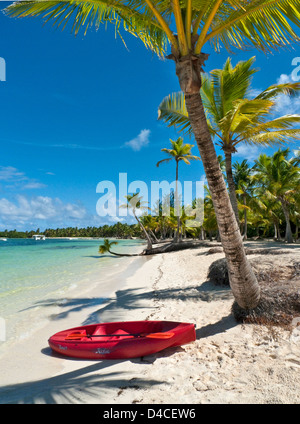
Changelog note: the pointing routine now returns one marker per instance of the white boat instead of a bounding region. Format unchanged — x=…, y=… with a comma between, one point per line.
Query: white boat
x=39, y=237
x=3, y=239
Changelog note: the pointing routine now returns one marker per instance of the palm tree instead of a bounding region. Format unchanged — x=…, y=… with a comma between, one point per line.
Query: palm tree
x=179, y=152
x=134, y=202
x=150, y=223
x=269, y=208
x=245, y=187
x=188, y=26
x=232, y=117
x=210, y=222
x=106, y=247
x=279, y=178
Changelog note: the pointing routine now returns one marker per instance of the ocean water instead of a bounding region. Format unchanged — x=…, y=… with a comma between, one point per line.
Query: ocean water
x=33, y=271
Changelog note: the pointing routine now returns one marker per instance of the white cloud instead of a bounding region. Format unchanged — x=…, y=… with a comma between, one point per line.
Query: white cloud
x=34, y=184
x=9, y=173
x=39, y=208
x=18, y=179
x=254, y=92
x=249, y=152
x=140, y=141
x=286, y=105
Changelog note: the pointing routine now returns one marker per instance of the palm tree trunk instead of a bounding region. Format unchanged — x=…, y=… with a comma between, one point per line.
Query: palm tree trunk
x=245, y=219
x=243, y=282
x=149, y=245
x=154, y=237
x=278, y=231
x=124, y=254
x=177, y=209
x=288, y=231
x=231, y=184
x=275, y=231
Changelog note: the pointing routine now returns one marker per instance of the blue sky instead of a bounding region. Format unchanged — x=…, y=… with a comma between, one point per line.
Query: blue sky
x=79, y=110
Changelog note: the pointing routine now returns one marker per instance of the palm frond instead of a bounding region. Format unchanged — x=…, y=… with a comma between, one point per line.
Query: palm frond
x=265, y=25
x=230, y=84
x=273, y=137
x=268, y=132
x=163, y=160
x=172, y=110
x=289, y=89
x=244, y=114
x=135, y=19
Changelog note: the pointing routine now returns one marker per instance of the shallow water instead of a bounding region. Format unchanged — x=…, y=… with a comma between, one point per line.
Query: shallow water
x=31, y=272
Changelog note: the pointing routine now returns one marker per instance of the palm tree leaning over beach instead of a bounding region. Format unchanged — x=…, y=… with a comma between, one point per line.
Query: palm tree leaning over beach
x=134, y=204
x=107, y=245
x=188, y=26
x=179, y=152
x=232, y=117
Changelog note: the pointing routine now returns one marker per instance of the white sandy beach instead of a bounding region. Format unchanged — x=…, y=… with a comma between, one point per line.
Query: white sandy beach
x=228, y=362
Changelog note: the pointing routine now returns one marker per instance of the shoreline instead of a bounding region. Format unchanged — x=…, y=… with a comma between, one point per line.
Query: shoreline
x=228, y=363
x=78, y=305
x=63, y=276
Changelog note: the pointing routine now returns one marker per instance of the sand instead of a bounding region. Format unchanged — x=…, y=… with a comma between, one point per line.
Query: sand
x=229, y=363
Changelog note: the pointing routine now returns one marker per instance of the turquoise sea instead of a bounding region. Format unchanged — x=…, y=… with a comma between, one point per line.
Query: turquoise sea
x=33, y=271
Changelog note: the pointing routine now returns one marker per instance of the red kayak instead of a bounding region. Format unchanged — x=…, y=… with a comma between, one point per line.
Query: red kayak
x=121, y=340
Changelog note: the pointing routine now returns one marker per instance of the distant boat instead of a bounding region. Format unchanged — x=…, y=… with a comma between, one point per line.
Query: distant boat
x=39, y=237
x=3, y=239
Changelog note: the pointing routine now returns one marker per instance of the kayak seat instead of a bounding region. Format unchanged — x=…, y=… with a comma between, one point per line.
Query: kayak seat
x=111, y=337
x=118, y=333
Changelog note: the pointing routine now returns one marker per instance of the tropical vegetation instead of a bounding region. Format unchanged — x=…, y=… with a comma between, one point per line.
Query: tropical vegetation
x=233, y=116
x=179, y=152
x=135, y=204
x=268, y=198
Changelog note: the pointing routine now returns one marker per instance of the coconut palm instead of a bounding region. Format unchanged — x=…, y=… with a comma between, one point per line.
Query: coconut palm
x=188, y=26
x=279, y=178
x=232, y=117
x=210, y=222
x=150, y=223
x=134, y=204
x=107, y=245
x=245, y=187
x=179, y=152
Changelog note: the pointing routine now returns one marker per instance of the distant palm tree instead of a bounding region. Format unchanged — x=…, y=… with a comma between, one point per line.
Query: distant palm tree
x=106, y=247
x=151, y=224
x=279, y=178
x=179, y=152
x=232, y=117
x=134, y=203
x=210, y=221
x=245, y=186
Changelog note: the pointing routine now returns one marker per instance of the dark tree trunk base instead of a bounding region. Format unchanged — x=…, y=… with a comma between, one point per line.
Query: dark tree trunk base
x=174, y=247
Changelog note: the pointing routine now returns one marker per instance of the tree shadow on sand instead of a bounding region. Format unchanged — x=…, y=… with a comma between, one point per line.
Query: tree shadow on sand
x=72, y=386
x=92, y=380
x=133, y=299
